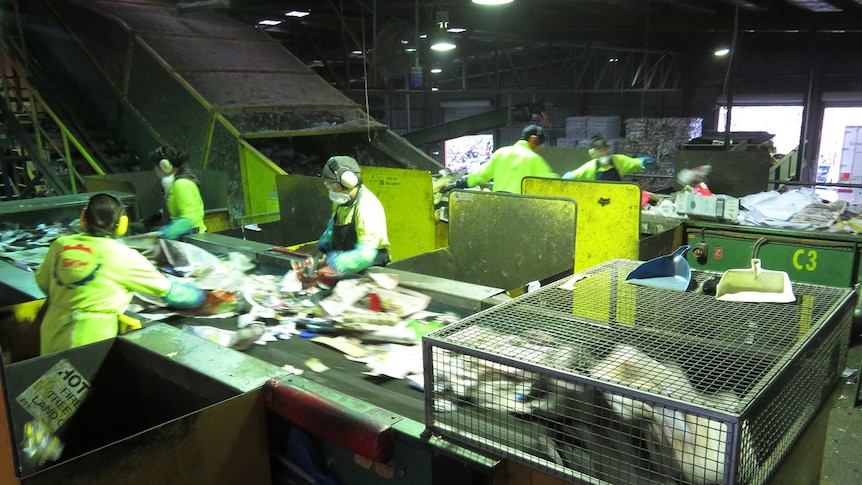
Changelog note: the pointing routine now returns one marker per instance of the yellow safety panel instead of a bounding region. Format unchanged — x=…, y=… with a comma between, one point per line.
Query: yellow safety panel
x=608, y=217
x=407, y=198
x=258, y=180
x=591, y=296
x=217, y=221
x=19, y=330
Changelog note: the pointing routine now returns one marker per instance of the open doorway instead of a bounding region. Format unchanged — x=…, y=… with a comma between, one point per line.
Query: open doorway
x=785, y=122
x=835, y=123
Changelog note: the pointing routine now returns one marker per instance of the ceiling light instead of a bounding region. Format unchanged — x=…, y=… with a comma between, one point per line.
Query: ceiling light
x=614, y=59
x=456, y=30
x=269, y=22
x=492, y=2
x=441, y=41
x=409, y=48
x=436, y=70
x=721, y=52
x=297, y=13
x=435, y=88
x=442, y=45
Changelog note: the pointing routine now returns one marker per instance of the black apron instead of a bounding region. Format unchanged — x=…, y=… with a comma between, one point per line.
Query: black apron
x=344, y=237
x=612, y=175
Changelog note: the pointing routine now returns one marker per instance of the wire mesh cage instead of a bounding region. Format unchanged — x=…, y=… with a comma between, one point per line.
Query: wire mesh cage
x=600, y=381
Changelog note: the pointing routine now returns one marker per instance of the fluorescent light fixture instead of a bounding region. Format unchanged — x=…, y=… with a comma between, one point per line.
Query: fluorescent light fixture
x=269, y=22
x=721, y=52
x=435, y=88
x=456, y=30
x=614, y=59
x=409, y=48
x=436, y=70
x=423, y=36
x=297, y=13
x=442, y=45
x=492, y=2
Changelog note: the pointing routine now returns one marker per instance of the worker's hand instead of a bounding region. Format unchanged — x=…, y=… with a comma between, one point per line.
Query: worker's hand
x=461, y=183
x=648, y=163
x=182, y=295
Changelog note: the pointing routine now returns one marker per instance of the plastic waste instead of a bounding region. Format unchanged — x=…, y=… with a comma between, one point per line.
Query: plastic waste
x=40, y=445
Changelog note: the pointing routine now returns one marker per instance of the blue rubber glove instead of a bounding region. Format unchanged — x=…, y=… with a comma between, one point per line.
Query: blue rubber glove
x=332, y=259
x=648, y=163
x=324, y=244
x=182, y=295
x=176, y=229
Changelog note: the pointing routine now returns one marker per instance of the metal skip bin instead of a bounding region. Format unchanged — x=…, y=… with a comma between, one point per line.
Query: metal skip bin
x=679, y=389
x=128, y=413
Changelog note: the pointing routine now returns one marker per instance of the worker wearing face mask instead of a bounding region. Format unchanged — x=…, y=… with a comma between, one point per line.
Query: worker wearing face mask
x=355, y=237
x=90, y=279
x=509, y=165
x=183, y=211
x=607, y=166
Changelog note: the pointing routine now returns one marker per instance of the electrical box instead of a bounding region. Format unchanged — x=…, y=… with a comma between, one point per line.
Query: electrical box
x=415, y=77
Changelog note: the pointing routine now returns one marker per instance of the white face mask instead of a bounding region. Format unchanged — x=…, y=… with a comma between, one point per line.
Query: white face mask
x=606, y=160
x=168, y=182
x=339, y=198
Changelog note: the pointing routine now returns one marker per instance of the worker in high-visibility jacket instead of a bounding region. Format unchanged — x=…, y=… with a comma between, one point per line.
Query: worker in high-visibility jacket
x=608, y=166
x=355, y=237
x=509, y=165
x=183, y=211
x=90, y=279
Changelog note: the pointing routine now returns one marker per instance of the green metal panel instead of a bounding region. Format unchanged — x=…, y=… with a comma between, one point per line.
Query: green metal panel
x=103, y=37
x=305, y=208
x=804, y=260
x=168, y=106
x=564, y=159
x=508, y=240
x=471, y=124
x=736, y=173
x=224, y=157
x=258, y=181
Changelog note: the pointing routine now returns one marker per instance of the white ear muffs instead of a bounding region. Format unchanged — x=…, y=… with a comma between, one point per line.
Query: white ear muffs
x=348, y=179
x=165, y=165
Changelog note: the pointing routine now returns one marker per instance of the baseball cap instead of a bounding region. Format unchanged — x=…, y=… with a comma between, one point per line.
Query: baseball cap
x=531, y=130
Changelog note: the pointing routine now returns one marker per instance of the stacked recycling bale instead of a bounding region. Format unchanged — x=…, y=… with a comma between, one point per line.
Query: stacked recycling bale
x=660, y=138
x=576, y=131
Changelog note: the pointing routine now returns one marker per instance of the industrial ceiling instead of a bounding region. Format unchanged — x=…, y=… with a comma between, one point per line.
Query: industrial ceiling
x=336, y=33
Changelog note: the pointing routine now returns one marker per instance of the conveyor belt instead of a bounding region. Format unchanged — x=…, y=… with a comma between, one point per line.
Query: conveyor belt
x=344, y=375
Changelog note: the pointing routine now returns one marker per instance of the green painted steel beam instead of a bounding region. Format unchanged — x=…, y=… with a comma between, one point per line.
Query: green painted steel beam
x=471, y=124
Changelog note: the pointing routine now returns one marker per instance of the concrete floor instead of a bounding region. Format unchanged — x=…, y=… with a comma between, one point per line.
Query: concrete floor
x=842, y=454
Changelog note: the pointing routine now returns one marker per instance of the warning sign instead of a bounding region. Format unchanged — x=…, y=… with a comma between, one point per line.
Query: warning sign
x=56, y=395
